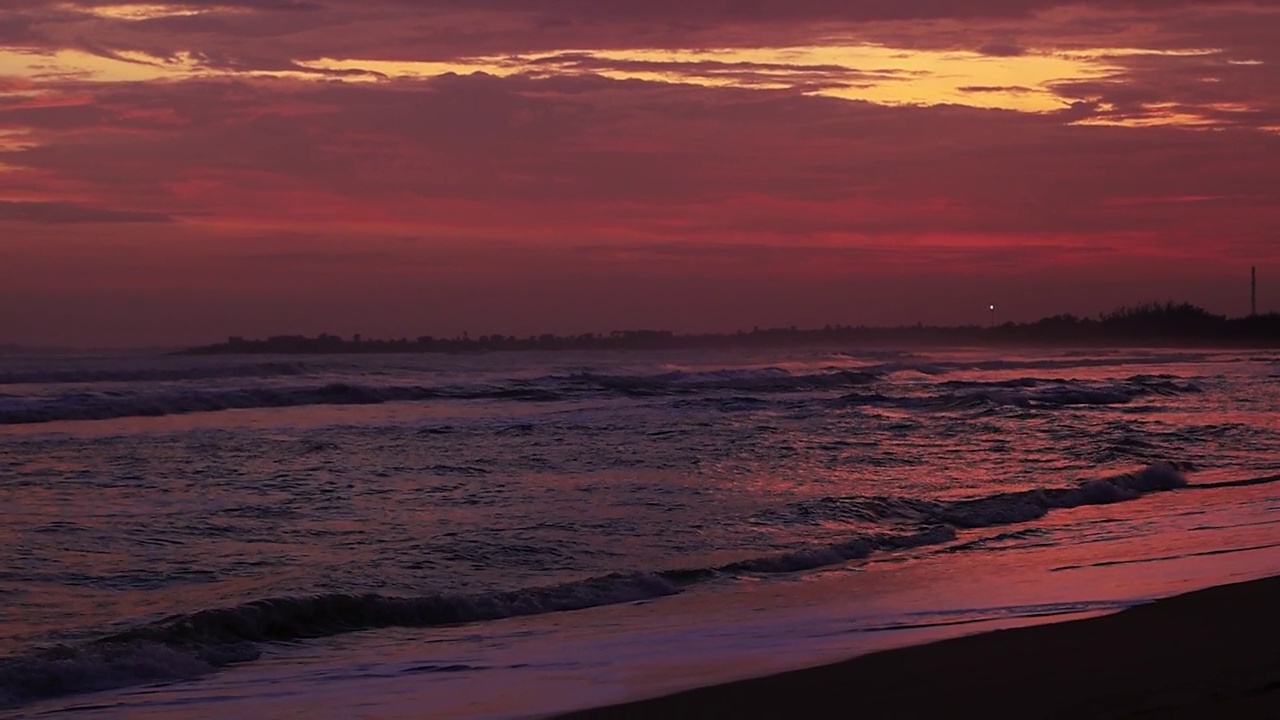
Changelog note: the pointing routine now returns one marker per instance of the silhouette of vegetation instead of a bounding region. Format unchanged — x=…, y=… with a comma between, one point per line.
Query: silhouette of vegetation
x=1149, y=324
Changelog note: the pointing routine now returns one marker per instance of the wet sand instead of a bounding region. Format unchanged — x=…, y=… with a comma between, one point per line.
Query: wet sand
x=1213, y=653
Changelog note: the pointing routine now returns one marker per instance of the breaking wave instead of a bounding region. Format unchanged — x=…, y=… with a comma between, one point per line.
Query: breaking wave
x=999, y=509
x=68, y=376
x=711, y=386
x=762, y=380
x=1055, y=363
x=1029, y=393
x=187, y=646
x=105, y=405
x=193, y=644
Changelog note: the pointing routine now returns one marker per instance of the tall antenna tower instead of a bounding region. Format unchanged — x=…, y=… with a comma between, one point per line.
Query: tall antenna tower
x=1253, y=291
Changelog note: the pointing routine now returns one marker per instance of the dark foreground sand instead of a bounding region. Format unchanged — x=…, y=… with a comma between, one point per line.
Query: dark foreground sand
x=1208, y=654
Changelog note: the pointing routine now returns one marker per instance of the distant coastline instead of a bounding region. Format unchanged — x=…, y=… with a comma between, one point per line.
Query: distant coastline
x=1170, y=324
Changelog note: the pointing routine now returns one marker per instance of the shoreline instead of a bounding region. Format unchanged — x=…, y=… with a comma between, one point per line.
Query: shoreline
x=1212, y=653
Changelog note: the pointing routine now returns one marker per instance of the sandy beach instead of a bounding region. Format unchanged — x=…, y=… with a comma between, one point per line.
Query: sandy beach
x=1213, y=653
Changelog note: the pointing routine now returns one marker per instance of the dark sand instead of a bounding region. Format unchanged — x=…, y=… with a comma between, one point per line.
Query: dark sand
x=1214, y=653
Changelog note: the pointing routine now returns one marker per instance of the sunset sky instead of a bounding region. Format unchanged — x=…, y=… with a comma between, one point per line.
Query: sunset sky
x=174, y=173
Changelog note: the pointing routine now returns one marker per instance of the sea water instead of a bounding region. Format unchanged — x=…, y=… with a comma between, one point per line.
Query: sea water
x=512, y=534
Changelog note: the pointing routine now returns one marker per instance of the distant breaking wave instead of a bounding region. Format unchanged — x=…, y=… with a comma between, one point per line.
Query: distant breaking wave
x=193, y=644
x=892, y=362
x=115, y=404
x=1056, y=363
x=1028, y=393
x=764, y=380
x=105, y=406
x=860, y=387
x=122, y=375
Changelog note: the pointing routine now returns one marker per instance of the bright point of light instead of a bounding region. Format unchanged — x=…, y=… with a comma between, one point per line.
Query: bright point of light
x=993, y=308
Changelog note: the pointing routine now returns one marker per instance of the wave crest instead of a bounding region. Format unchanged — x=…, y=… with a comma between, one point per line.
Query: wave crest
x=998, y=509
x=201, y=642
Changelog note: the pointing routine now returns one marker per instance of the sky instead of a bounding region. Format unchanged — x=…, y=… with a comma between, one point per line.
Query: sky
x=172, y=174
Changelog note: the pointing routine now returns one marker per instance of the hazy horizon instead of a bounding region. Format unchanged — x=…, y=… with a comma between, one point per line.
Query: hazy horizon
x=983, y=322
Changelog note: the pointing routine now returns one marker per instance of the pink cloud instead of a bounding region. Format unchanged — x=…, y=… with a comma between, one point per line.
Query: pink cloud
x=575, y=202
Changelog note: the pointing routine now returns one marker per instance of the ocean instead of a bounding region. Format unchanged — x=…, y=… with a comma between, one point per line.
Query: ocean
x=514, y=534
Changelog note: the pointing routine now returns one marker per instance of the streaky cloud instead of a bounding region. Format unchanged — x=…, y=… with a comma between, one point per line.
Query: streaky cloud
x=67, y=213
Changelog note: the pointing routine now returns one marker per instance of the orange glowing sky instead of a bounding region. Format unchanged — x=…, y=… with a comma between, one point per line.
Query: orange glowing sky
x=174, y=173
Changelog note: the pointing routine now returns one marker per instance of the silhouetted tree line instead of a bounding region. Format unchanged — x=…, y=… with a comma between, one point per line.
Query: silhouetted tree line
x=1152, y=323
